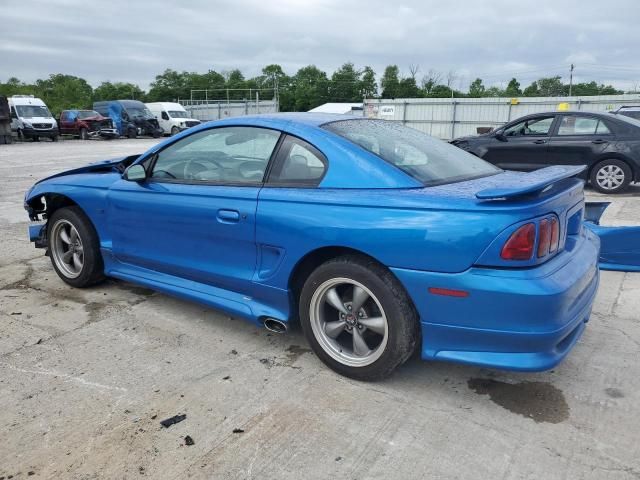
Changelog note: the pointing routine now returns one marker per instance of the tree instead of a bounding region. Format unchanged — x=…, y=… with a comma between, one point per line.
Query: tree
x=494, y=92
x=61, y=92
x=368, y=87
x=532, y=90
x=345, y=83
x=476, y=89
x=429, y=82
x=169, y=85
x=117, y=91
x=390, y=81
x=551, y=87
x=513, y=88
x=407, y=88
x=311, y=88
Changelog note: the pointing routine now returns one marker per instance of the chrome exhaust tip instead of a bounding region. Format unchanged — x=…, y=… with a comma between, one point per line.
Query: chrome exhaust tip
x=275, y=326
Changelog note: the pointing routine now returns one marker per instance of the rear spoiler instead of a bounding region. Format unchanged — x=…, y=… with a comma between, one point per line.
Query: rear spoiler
x=531, y=182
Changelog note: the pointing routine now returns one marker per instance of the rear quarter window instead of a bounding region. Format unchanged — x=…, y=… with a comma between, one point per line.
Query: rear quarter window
x=429, y=160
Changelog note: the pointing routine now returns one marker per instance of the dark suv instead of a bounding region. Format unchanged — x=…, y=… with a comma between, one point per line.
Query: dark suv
x=86, y=124
x=608, y=144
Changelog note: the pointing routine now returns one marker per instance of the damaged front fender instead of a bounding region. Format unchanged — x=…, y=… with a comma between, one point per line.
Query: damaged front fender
x=619, y=246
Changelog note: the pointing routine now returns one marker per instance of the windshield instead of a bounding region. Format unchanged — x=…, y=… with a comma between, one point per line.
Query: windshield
x=427, y=159
x=178, y=114
x=88, y=114
x=139, y=112
x=31, y=111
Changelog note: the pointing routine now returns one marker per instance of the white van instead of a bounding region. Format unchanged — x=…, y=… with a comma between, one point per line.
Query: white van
x=172, y=117
x=30, y=118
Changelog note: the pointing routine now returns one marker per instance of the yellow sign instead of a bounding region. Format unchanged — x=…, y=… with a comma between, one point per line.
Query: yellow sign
x=563, y=107
x=515, y=101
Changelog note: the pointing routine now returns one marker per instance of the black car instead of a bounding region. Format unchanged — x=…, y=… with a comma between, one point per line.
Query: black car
x=608, y=144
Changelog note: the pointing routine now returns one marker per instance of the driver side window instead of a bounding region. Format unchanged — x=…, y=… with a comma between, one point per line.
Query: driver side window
x=529, y=127
x=233, y=155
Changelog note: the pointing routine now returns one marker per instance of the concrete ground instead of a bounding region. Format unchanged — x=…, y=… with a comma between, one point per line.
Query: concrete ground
x=87, y=375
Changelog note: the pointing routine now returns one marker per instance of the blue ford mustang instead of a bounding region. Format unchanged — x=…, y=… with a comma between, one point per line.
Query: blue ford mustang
x=377, y=238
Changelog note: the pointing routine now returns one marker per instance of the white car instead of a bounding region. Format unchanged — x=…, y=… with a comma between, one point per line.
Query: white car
x=30, y=118
x=172, y=117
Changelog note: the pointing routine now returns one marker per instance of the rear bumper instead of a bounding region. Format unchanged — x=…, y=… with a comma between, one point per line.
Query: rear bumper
x=526, y=319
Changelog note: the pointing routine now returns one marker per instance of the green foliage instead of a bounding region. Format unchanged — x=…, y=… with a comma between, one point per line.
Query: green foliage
x=310, y=88
x=344, y=86
x=476, y=89
x=513, y=89
x=117, y=91
x=390, y=82
x=307, y=89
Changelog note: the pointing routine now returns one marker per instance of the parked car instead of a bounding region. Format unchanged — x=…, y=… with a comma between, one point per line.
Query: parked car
x=172, y=117
x=130, y=117
x=632, y=111
x=376, y=237
x=31, y=118
x=86, y=124
x=609, y=145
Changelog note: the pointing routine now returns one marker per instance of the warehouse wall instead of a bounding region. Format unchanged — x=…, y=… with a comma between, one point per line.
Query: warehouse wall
x=210, y=110
x=449, y=118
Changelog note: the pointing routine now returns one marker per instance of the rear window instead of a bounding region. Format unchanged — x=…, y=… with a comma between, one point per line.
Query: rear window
x=427, y=159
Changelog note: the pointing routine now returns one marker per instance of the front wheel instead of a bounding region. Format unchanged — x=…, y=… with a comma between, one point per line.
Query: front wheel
x=84, y=135
x=74, y=248
x=174, y=131
x=358, y=318
x=610, y=176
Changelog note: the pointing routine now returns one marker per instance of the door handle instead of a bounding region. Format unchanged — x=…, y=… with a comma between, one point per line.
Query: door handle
x=540, y=141
x=228, y=216
x=598, y=141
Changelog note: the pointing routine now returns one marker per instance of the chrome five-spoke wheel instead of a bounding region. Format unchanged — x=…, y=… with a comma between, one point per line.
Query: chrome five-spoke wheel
x=67, y=251
x=349, y=322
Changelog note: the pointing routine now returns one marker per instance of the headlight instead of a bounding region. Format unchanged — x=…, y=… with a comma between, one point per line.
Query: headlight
x=26, y=124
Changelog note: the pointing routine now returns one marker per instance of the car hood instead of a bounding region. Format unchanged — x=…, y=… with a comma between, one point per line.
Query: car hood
x=115, y=165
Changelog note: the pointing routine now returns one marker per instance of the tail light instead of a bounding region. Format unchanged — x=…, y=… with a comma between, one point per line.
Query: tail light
x=520, y=244
x=555, y=235
x=544, y=237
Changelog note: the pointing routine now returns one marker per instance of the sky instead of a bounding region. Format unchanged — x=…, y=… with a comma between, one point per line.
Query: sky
x=133, y=41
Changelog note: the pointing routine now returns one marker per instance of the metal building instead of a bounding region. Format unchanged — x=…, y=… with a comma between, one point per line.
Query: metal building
x=448, y=118
x=205, y=110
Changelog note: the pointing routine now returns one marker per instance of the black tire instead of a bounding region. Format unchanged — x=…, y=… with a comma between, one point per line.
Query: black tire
x=92, y=270
x=20, y=135
x=35, y=138
x=84, y=135
x=174, y=131
x=132, y=133
x=600, y=182
x=55, y=138
x=402, y=319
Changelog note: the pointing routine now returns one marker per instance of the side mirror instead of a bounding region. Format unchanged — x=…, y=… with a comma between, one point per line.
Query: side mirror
x=135, y=173
x=500, y=136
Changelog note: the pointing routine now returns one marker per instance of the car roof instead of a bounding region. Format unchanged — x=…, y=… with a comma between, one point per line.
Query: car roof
x=305, y=118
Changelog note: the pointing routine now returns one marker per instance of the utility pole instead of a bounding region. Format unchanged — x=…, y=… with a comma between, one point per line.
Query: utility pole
x=571, y=78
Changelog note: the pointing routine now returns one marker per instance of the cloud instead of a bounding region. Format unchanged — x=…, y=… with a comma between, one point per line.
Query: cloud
x=134, y=41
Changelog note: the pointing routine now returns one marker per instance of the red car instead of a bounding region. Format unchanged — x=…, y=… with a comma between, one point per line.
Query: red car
x=86, y=124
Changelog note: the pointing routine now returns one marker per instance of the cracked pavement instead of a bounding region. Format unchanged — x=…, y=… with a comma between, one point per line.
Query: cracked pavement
x=87, y=375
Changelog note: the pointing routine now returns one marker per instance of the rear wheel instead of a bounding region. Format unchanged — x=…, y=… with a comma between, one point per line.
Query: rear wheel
x=610, y=176
x=357, y=318
x=84, y=135
x=74, y=248
x=132, y=133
